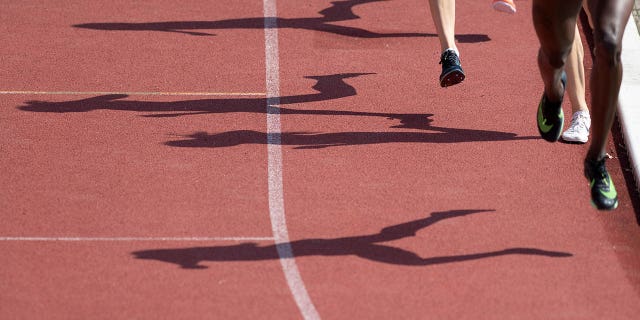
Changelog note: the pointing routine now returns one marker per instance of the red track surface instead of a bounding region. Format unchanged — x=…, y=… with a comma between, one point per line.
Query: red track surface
x=402, y=199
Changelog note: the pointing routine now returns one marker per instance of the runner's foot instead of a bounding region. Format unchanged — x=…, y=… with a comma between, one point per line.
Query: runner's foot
x=578, y=130
x=550, y=116
x=451, y=70
x=603, y=192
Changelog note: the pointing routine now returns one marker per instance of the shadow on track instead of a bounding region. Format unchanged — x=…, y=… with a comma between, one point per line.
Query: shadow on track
x=306, y=140
x=329, y=87
x=338, y=11
x=366, y=246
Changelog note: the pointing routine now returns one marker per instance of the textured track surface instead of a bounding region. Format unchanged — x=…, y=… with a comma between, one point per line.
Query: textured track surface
x=135, y=168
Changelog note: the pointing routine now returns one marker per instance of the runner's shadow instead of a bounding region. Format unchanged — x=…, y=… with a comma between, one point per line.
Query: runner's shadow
x=328, y=87
x=368, y=247
x=307, y=140
x=337, y=12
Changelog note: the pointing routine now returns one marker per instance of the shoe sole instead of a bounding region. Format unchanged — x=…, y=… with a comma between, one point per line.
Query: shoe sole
x=576, y=141
x=615, y=206
x=452, y=78
x=504, y=7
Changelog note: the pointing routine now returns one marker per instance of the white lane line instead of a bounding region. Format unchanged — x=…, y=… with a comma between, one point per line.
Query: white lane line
x=131, y=93
x=274, y=149
x=123, y=239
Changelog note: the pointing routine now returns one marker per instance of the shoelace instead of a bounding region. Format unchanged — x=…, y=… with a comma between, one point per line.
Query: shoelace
x=599, y=170
x=449, y=57
x=579, y=120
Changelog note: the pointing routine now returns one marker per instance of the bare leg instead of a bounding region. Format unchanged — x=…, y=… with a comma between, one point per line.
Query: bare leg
x=609, y=19
x=443, y=13
x=555, y=24
x=578, y=129
x=575, y=75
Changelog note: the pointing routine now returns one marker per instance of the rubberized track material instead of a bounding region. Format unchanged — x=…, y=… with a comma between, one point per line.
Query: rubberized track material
x=285, y=160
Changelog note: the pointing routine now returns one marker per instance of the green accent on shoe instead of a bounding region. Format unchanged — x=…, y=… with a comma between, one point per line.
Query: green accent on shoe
x=542, y=122
x=550, y=118
x=550, y=126
x=608, y=190
x=603, y=192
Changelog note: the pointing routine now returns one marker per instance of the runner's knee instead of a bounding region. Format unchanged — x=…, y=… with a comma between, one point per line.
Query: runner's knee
x=556, y=58
x=607, y=47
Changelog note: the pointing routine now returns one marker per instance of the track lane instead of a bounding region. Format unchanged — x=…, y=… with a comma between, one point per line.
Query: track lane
x=402, y=199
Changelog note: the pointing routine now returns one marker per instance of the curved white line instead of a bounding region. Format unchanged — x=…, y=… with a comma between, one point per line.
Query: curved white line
x=274, y=149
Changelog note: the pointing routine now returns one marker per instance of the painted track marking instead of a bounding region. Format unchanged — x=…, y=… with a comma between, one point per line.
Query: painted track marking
x=135, y=93
x=133, y=239
x=276, y=199
x=274, y=149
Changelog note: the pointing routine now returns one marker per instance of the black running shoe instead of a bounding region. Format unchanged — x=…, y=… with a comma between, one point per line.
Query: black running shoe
x=603, y=192
x=451, y=70
x=550, y=116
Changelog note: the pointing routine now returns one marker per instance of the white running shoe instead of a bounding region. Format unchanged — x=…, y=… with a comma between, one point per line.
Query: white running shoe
x=578, y=130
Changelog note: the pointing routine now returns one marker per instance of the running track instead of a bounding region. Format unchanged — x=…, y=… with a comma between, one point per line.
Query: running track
x=178, y=160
